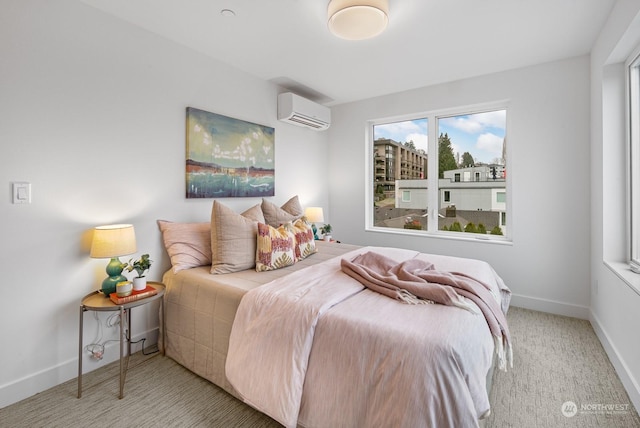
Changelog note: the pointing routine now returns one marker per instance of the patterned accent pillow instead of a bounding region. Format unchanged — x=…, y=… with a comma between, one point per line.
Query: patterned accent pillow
x=276, y=216
x=188, y=244
x=275, y=248
x=305, y=244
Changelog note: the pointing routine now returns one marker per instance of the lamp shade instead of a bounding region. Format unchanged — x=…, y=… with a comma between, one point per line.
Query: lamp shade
x=314, y=215
x=113, y=241
x=357, y=19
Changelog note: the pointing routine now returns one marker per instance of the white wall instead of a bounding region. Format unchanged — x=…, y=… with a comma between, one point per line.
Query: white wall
x=614, y=304
x=92, y=113
x=547, y=266
x=84, y=96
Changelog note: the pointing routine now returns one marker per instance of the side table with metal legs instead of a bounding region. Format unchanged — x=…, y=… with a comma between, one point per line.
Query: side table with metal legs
x=96, y=301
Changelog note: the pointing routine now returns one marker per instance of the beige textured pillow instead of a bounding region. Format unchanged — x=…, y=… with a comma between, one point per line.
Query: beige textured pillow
x=275, y=216
x=188, y=244
x=233, y=238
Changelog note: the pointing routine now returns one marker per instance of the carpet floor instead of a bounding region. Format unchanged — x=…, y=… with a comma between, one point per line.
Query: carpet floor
x=561, y=378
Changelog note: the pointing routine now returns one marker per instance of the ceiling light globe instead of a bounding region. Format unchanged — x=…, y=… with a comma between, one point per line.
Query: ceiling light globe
x=357, y=19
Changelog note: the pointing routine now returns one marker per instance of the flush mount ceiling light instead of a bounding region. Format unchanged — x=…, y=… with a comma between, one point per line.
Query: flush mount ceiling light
x=357, y=19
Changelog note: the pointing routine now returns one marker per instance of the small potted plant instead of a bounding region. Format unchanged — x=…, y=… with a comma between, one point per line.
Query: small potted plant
x=142, y=265
x=326, y=232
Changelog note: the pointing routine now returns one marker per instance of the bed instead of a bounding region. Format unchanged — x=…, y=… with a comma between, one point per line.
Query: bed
x=365, y=359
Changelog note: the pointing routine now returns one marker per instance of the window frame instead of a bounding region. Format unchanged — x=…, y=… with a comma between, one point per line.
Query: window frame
x=633, y=158
x=432, y=178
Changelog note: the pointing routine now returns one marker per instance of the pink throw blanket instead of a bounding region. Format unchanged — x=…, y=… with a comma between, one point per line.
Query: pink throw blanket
x=416, y=281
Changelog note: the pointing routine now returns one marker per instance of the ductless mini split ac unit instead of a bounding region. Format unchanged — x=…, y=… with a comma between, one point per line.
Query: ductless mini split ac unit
x=300, y=111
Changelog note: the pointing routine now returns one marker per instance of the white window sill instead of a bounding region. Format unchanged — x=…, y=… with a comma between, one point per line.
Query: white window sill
x=453, y=236
x=624, y=272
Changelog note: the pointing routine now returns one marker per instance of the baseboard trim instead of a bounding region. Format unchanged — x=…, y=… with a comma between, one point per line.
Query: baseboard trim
x=550, y=306
x=41, y=381
x=628, y=381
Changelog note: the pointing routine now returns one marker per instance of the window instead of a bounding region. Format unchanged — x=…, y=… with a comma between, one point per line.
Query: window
x=443, y=157
x=634, y=160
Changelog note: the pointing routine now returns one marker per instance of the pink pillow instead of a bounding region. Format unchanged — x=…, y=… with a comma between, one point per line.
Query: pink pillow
x=188, y=244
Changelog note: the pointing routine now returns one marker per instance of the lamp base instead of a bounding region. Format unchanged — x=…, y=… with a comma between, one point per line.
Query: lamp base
x=109, y=284
x=114, y=270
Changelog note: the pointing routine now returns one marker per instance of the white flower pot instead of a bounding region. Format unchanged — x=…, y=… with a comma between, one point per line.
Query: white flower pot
x=139, y=284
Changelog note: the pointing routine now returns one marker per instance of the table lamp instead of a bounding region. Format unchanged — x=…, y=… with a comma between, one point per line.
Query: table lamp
x=112, y=242
x=314, y=215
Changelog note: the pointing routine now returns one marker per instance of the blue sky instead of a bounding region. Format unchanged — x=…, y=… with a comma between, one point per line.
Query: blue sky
x=480, y=134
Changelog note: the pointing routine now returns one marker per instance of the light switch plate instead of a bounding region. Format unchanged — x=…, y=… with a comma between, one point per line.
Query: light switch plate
x=21, y=192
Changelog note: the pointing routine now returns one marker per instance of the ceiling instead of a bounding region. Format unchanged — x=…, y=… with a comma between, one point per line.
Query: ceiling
x=426, y=42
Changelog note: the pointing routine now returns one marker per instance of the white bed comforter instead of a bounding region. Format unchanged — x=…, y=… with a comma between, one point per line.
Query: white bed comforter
x=317, y=349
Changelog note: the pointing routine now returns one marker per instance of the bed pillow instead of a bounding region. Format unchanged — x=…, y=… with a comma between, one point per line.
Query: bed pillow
x=275, y=248
x=293, y=207
x=305, y=244
x=233, y=238
x=276, y=216
x=188, y=244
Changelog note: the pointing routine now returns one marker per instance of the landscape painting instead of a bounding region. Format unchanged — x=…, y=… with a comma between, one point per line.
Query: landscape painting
x=228, y=157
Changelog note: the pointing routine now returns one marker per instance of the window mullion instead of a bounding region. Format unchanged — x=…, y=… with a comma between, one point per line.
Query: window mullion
x=432, y=174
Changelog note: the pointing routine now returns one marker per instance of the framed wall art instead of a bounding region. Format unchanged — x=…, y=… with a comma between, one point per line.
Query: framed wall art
x=227, y=157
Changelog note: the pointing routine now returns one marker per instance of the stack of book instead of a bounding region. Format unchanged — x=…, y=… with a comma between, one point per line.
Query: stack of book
x=135, y=295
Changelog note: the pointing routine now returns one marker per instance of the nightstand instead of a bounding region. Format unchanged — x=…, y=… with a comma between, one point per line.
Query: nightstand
x=97, y=301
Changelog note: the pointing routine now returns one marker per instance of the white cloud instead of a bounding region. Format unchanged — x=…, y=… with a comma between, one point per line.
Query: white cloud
x=401, y=128
x=466, y=124
x=421, y=141
x=402, y=131
x=456, y=149
x=477, y=122
x=495, y=119
x=490, y=143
